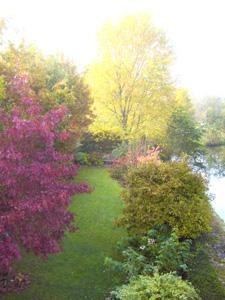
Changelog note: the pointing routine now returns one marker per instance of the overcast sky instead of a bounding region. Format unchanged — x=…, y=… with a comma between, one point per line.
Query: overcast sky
x=196, y=29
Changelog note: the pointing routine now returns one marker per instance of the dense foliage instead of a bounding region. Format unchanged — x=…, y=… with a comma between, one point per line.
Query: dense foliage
x=183, y=132
x=130, y=81
x=131, y=159
x=120, y=151
x=167, y=286
x=91, y=159
x=36, y=181
x=211, y=114
x=204, y=276
x=93, y=149
x=103, y=142
x=160, y=249
x=53, y=80
x=166, y=193
x=45, y=113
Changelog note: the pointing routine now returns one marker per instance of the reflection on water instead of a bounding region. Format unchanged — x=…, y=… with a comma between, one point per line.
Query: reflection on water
x=215, y=167
x=215, y=161
x=217, y=188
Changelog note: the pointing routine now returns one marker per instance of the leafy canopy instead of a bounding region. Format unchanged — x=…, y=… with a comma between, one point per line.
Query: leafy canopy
x=160, y=249
x=130, y=81
x=52, y=80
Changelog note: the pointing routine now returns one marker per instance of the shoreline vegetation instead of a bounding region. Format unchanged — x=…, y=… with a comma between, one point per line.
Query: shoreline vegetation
x=216, y=244
x=208, y=270
x=212, y=145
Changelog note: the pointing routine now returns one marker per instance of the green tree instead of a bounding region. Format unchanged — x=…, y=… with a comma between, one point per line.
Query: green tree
x=53, y=80
x=211, y=114
x=183, y=133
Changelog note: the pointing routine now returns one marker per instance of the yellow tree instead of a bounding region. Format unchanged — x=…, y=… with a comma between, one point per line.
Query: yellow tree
x=130, y=80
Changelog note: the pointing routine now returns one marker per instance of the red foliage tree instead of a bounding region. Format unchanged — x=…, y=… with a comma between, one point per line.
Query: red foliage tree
x=36, y=181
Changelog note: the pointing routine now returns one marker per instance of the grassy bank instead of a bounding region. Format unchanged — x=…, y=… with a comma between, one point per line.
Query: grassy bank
x=208, y=268
x=78, y=272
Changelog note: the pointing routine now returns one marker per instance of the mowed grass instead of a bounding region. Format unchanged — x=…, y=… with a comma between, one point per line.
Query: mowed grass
x=78, y=272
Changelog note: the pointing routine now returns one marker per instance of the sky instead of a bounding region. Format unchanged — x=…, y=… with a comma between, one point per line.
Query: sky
x=195, y=28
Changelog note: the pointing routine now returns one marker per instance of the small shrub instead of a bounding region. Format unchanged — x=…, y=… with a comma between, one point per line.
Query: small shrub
x=132, y=158
x=102, y=142
x=159, y=249
x=172, y=254
x=120, y=151
x=166, y=193
x=165, y=287
x=82, y=158
x=134, y=264
x=119, y=171
x=95, y=159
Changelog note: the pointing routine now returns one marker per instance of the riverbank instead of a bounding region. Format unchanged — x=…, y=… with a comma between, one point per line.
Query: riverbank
x=208, y=267
x=216, y=246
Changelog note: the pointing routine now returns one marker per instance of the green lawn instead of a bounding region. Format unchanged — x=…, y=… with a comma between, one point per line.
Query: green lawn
x=78, y=272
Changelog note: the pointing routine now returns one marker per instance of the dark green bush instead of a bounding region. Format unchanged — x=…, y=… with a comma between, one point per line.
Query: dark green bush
x=119, y=172
x=183, y=133
x=82, y=158
x=159, y=249
x=91, y=159
x=95, y=159
x=103, y=142
x=160, y=286
x=204, y=277
x=166, y=193
x=120, y=150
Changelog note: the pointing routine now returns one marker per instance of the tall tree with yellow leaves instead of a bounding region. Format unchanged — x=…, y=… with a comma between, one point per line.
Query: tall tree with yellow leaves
x=130, y=80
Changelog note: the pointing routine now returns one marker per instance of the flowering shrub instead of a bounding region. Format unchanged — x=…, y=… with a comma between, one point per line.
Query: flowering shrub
x=151, y=156
x=133, y=159
x=36, y=181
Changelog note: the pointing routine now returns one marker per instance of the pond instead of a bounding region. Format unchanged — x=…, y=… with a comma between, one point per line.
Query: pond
x=215, y=164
